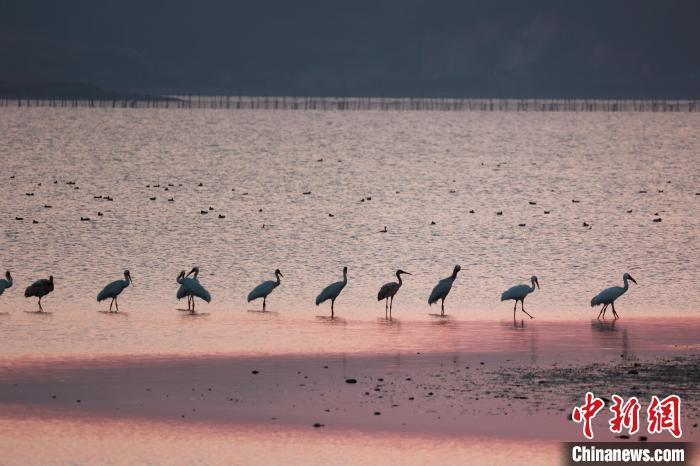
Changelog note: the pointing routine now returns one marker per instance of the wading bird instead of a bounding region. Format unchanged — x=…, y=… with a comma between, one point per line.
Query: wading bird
x=519, y=293
x=388, y=291
x=39, y=288
x=443, y=288
x=194, y=288
x=6, y=282
x=182, y=291
x=609, y=295
x=265, y=288
x=332, y=291
x=114, y=289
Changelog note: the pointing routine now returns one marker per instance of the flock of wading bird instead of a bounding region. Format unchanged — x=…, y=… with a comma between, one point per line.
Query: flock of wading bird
x=191, y=288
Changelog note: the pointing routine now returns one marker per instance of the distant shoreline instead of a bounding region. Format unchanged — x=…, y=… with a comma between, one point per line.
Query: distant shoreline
x=108, y=99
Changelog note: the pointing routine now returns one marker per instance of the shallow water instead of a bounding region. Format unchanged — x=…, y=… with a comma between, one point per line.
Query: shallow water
x=418, y=168
x=115, y=442
x=408, y=162
x=56, y=336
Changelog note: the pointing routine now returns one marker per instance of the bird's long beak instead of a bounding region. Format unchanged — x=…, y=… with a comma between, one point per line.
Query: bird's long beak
x=633, y=280
x=190, y=272
x=408, y=273
x=281, y=274
x=538, y=284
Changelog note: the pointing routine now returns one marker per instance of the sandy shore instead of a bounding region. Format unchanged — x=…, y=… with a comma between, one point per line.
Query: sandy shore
x=490, y=395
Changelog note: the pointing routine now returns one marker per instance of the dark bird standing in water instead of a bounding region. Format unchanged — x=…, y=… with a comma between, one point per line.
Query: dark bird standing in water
x=388, y=291
x=40, y=288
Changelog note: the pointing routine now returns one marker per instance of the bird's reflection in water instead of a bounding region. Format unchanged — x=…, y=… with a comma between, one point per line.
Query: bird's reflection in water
x=440, y=318
x=516, y=325
x=603, y=325
x=328, y=320
x=391, y=322
x=611, y=335
x=114, y=313
x=191, y=315
x=523, y=338
x=262, y=313
x=448, y=331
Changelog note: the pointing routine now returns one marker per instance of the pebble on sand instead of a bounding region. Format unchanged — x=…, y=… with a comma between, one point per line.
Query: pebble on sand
x=350, y=380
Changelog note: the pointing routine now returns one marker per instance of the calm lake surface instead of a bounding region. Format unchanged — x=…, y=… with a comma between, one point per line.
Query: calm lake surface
x=402, y=170
x=418, y=167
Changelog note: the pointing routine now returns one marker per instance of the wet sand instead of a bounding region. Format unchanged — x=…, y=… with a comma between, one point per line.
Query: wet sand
x=437, y=393
x=500, y=392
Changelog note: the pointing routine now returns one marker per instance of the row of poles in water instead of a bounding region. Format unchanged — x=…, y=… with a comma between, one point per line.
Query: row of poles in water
x=191, y=288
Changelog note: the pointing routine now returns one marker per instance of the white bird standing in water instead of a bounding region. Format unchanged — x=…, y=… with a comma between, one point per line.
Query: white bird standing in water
x=443, y=288
x=388, y=291
x=332, y=291
x=519, y=293
x=265, y=288
x=609, y=295
x=39, y=289
x=194, y=288
x=114, y=289
x=6, y=282
x=182, y=291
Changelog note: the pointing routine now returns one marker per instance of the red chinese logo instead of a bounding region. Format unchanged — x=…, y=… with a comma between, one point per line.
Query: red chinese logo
x=587, y=412
x=625, y=415
x=665, y=415
x=662, y=415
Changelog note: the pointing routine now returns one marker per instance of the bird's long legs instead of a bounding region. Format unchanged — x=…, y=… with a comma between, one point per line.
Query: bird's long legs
x=332, y=311
x=264, y=298
x=189, y=302
x=192, y=310
x=110, y=305
x=116, y=303
x=615, y=313
x=602, y=312
x=41, y=309
x=386, y=308
x=442, y=309
x=514, y=308
x=522, y=308
x=390, y=306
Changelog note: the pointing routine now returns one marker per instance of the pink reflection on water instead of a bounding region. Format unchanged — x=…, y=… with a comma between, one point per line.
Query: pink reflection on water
x=132, y=441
